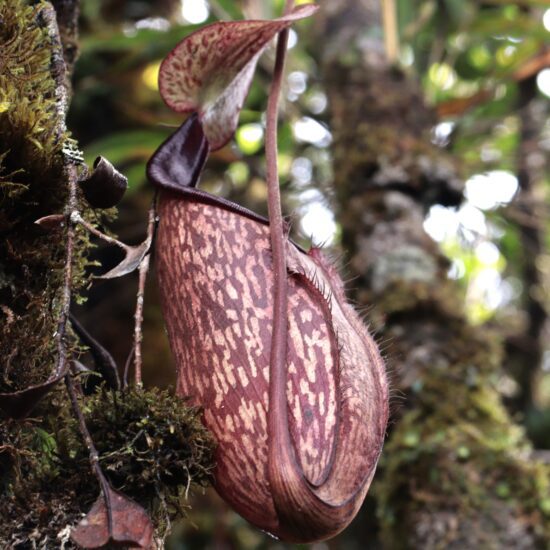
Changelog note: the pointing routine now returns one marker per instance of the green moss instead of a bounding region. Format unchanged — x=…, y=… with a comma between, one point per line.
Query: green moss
x=32, y=185
x=148, y=440
x=39, y=494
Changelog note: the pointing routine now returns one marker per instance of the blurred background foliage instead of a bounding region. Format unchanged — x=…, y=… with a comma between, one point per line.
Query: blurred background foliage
x=485, y=68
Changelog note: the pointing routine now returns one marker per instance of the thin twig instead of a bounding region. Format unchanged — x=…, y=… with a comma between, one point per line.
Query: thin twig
x=162, y=500
x=70, y=173
x=277, y=360
x=138, y=316
x=391, y=35
x=92, y=451
x=143, y=269
x=76, y=218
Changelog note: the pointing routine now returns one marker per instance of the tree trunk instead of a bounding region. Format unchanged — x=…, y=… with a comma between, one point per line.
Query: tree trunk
x=35, y=166
x=525, y=348
x=455, y=470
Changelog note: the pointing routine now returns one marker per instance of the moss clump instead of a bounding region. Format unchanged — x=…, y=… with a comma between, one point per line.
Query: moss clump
x=21, y=452
x=153, y=447
x=149, y=442
x=40, y=492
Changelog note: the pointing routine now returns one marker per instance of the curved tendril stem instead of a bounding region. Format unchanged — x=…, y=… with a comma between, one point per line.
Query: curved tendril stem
x=277, y=412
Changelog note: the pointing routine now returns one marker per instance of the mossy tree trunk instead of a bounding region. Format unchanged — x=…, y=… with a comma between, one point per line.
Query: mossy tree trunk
x=525, y=346
x=456, y=471
x=156, y=440
x=38, y=160
x=33, y=183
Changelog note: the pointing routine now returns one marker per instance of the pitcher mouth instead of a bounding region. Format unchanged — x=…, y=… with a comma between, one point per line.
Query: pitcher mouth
x=177, y=164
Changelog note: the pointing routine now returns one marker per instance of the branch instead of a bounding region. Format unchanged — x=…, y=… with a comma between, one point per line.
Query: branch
x=391, y=34
x=67, y=12
x=59, y=72
x=526, y=349
x=92, y=451
x=138, y=316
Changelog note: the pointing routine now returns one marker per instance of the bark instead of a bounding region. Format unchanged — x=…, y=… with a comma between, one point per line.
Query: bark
x=452, y=472
x=36, y=157
x=67, y=12
x=37, y=160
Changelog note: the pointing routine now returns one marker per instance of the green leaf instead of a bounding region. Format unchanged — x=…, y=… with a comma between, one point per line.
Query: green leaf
x=230, y=7
x=123, y=147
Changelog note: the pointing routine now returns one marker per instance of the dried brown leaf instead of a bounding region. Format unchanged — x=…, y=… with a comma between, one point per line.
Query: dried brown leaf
x=52, y=222
x=132, y=260
x=130, y=526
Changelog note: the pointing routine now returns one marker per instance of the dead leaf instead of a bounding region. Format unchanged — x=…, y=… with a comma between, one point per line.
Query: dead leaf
x=132, y=260
x=132, y=254
x=52, y=222
x=130, y=526
x=104, y=362
x=105, y=186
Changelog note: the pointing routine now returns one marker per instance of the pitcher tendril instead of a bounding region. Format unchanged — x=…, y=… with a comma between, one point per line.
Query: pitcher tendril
x=277, y=412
